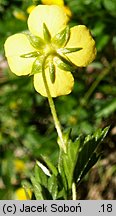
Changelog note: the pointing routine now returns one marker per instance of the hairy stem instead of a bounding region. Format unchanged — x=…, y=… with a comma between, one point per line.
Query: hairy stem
x=52, y=107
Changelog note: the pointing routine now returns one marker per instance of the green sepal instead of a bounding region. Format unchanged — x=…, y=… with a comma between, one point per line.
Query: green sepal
x=30, y=55
x=52, y=71
x=68, y=50
x=35, y=41
x=61, y=39
x=46, y=33
x=64, y=64
x=37, y=66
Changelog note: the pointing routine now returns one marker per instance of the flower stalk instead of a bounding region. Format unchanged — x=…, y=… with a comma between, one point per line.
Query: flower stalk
x=52, y=107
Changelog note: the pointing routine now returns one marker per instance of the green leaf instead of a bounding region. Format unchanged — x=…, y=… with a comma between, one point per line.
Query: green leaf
x=37, y=66
x=62, y=195
x=64, y=64
x=53, y=186
x=68, y=50
x=61, y=39
x=52, y=71
x=50, y=165
x=40, y=182
x=26, y=184
x=40, y=175
x=87, y=153
x=61, y=170
x=37, y=189
x=46, y=33
x=93, y=160
x=70, y=159
x=37, y=42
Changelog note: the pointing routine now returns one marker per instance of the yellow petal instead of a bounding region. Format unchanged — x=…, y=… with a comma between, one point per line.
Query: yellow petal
x=67, y=11
x=81, y=37
x=15, y=46
x=21, y=195
x=30, y=8
x=52, y=15
x=63, y=85
x=53, y=2
x=59, y=3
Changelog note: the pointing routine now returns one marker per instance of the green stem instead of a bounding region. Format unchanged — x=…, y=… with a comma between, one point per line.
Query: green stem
x=73, y=191
x=97, y=81
x=52, y=107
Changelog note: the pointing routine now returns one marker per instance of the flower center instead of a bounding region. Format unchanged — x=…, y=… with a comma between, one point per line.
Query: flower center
x=51, y=52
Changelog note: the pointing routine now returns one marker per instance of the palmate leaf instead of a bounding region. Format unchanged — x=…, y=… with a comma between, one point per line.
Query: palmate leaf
x=87, y=156
x=80, y=157
x=73, y=165
x=40, y=182
x=45, y=185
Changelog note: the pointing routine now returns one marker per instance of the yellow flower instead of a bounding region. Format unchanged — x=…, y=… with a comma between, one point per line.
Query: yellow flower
x=19, y=165
x=30, y=8
x=21, y=194
x=53, y=45
x=59, y=3
x=53, y=2
x=67, y=11
x=81, y=37
x=20, y=15
x=53, y=16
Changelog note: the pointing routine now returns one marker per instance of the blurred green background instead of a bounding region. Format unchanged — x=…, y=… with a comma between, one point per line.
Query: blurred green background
x=26, y=125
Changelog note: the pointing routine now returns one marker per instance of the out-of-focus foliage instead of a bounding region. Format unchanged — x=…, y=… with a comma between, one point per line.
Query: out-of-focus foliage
x=26, y=126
